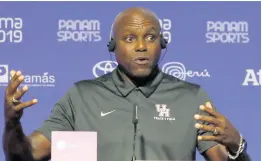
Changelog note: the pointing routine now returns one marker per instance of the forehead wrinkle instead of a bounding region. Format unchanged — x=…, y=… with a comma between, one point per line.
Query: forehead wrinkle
x=143, y=23
x=134, y=28
x=135, y=24
x=131, y=26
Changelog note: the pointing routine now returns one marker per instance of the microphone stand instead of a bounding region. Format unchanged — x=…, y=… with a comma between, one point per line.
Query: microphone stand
x=135, y=121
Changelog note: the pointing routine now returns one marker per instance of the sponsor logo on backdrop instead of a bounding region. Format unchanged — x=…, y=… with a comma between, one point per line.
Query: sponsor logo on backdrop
x=34, y=80
x=104, y=67
x=252, y=78
x=3, y=73
x=79, y=30
x=166, y=25
x=176, y=69
x=229, y=32
x=11, y=30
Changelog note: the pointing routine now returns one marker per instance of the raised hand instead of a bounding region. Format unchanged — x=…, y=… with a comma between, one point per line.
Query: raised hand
x=13, y=106
x=223, y=131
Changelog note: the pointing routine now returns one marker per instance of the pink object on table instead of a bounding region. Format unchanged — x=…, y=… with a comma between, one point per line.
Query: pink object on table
x=74, y=146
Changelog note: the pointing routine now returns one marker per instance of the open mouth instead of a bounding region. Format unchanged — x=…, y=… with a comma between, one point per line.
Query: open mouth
x=142, y=60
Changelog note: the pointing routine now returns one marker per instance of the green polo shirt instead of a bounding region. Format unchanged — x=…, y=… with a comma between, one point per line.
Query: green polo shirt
x=166, y=109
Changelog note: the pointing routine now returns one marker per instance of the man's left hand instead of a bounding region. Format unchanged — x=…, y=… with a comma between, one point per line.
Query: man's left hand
x=223, y=131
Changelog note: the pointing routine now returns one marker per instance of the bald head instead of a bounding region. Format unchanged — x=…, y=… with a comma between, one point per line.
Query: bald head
x=137, y=16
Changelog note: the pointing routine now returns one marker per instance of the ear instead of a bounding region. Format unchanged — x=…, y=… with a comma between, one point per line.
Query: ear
x=111, y=45
x=163, y=42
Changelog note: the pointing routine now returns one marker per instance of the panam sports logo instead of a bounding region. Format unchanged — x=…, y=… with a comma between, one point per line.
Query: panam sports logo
x=43, y=80
x=79, y=30
x=232, y=32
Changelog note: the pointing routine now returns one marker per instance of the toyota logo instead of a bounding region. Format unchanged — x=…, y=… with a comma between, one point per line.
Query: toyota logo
x=104, y=67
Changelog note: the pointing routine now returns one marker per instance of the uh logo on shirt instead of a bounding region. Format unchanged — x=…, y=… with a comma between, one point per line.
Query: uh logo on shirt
x=163, y=113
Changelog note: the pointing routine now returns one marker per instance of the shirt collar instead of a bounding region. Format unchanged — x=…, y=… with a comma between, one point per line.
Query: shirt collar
x=125, y=87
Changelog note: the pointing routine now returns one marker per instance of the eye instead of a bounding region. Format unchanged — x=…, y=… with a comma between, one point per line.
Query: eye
x=151, y=38
x=129, y=39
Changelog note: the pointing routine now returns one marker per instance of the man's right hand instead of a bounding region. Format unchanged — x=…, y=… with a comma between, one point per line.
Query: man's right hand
x=13, y=106
x=16, y=145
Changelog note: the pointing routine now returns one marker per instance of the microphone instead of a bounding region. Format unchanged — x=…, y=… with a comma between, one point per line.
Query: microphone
x=135, y=121
x=135, y=115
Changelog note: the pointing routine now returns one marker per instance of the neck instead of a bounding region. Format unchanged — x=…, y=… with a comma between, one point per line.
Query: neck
x=138, y=81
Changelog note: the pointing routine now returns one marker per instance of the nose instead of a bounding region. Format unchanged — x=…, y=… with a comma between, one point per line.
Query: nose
x=141, y=46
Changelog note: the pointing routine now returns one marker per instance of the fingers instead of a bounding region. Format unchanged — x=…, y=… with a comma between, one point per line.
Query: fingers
x=208, y=119
x=209, y=138
x=209, y=109
x=15, y=84
x=14, y=75
x=16, y=80
x=19, y=93
x=25, y=104
x=208, y=128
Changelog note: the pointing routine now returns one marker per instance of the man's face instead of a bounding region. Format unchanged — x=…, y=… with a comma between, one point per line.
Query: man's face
x=138, y=44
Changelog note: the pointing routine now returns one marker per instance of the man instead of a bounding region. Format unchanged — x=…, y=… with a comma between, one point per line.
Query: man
x=175, y=117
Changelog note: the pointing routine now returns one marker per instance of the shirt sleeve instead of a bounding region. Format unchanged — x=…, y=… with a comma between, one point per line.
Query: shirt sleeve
x=60, y=119
x=202, y=146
